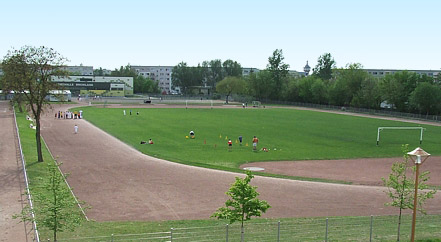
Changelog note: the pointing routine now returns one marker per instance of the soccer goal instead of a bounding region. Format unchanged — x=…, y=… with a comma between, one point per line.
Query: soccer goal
x=406, y=128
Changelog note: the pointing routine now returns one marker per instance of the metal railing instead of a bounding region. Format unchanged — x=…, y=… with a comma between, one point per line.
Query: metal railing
x=379, y=112
x=373, y=228
x=34, y=224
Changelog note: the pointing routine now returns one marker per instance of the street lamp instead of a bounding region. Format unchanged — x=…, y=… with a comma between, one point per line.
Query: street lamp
x=418, y=156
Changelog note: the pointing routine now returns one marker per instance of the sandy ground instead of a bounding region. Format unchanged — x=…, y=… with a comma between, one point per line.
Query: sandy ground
x=11, y=180
x=358, y=171
x=120, y=183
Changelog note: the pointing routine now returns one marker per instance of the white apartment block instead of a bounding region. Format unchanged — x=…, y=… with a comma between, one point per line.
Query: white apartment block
x=80, y=70
x=247, y=71
x=160, y=74
x=383, y=72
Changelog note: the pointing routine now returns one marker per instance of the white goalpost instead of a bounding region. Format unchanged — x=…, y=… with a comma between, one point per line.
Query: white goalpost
x=408, y=128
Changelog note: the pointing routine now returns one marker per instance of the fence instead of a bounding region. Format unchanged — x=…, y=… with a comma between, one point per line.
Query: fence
x=374, y=228
x=25, y=175
x=380, y=112
x=240, y=99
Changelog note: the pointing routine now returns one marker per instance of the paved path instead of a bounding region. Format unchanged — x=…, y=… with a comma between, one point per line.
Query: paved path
x=120, y=183
x=11, y=179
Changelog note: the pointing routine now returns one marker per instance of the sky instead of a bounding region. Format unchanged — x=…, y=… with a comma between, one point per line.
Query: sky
x=379, y=34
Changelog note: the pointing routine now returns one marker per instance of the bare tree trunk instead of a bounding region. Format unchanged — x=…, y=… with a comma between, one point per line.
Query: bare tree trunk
x=38, y=138
x=399, y=225
x=241, y=233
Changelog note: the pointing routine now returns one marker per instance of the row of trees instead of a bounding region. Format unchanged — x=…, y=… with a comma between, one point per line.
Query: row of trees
x=209, y=73
x=352, y=86
x=349, y=86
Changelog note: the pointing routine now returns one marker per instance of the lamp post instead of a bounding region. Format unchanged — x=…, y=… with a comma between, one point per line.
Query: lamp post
x=418, y=156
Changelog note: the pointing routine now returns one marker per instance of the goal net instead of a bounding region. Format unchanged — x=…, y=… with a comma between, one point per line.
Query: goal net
x=400, y=128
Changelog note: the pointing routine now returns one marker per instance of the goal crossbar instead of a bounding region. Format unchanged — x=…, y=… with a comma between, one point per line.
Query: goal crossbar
x=408, y=128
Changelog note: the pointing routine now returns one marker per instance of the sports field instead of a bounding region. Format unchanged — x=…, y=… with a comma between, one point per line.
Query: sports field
x=121, y=184
x=287, y=134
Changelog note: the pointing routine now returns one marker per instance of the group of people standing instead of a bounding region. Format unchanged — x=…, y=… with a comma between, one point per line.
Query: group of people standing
x=255, y=142
x=69, y=115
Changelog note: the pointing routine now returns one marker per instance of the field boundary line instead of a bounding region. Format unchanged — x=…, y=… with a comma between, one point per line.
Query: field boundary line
x=64, y=178
x=34, y=223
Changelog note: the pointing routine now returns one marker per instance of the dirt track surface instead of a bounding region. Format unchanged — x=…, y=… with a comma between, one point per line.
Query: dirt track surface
x=11, y=179
x=358, y=171
x=120, y=183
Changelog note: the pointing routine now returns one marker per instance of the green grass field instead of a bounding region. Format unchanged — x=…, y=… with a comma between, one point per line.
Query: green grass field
x=289, y=134
x=300, y=229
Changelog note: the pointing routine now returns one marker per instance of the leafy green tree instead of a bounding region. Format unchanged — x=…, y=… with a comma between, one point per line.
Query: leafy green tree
x=338, y=93
x=369, y=95
x=319, y=91
x=396, y=88
x=324, y=67
x=243, y=203
x=426, y=98
x=53, y=204
x=291, y=92
x=401, y=188
x=260, y=84
x=185, y=77
x=305, y=89
x=213, y=72
x=145, y=85
x=232, y=68
x=279, y=73
x=347, y=83
x=28, y=71
x=98, y=72
x=124, y=71
x=231, y=85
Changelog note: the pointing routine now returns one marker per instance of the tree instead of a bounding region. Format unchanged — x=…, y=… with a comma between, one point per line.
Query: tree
x=349, y=80
x=98, y=72
x=213, y=72
x=323, y=69
x=185, y=77
x=369, y=95
x=231, y=85
x=260, y=84
x=54, y=205
x=305, y=89
x=28, y=71
x=279, y=72
x=291, y=92
x=426, y=98
x=401, y=188
x=243, y=203
x=145, y=85
x=232, y=68
x=124, y=71
x=319, y=91
x=396, y=89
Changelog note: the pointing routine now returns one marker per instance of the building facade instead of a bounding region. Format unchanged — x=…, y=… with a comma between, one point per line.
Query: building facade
x=384, y=72
x=161, y=74
x=105, y=86
x=80, y=70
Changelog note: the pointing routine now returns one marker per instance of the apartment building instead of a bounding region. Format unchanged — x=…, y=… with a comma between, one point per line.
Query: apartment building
x=80, y=70
x=383, y=72
x=161, y=74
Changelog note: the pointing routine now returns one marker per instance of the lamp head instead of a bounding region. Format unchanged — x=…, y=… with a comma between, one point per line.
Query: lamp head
x=418, y=155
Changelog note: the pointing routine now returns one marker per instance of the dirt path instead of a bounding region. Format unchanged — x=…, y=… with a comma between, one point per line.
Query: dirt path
x=11, y=180
x=357, y=171
x=120, y=183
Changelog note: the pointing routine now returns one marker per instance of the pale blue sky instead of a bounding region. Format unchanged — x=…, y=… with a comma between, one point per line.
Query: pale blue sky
x=378, y=34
